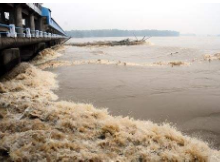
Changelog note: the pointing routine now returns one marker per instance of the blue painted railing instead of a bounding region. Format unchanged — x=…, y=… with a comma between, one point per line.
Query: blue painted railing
x=50, y=21
x=26, y=32
x=44, y=12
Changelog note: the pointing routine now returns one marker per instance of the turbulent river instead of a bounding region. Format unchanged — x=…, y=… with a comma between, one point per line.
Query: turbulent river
x=141, y=84
x=54, y=108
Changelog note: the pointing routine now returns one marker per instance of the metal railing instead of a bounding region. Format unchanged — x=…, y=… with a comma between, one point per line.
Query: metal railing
x=27, y=33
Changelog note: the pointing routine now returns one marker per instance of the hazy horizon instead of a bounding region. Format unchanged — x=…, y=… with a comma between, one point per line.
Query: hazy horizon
x=199, y=19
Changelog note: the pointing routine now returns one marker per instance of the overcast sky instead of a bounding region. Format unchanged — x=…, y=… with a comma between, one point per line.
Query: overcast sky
x=201, y=19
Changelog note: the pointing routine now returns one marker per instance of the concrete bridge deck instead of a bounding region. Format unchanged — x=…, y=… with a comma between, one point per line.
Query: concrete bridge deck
x=22, y=42
x=26, y=29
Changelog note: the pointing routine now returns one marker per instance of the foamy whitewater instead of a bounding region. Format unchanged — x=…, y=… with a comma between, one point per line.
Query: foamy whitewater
x=36, y=126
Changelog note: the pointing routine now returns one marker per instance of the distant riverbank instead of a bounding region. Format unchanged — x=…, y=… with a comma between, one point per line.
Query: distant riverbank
x=120, y=33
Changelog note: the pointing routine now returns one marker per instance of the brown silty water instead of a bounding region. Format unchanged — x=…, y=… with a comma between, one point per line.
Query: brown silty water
x=140, y=82
x=165, y=82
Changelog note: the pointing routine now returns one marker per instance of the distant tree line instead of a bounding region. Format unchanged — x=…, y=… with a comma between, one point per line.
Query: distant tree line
x=120, y=33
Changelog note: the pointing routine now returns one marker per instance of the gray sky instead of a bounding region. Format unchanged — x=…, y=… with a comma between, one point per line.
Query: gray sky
x=201, y=19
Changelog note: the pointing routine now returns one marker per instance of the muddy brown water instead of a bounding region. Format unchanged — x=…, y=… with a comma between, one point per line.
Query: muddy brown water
x=187, y=96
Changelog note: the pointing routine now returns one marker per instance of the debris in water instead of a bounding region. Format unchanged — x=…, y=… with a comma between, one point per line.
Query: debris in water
x=60, y=63
x=174, y=53
x=54, y=64
x=126, y=42
x=172, y=63
x=176, y=63
x=98, y=52
x=212, y=57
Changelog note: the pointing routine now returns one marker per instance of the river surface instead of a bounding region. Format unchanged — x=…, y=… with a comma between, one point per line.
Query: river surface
x=187, y=96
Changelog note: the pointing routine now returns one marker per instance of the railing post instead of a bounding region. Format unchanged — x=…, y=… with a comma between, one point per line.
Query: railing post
x=33, y=33
x=40, y=34
x=28, y=32
x=12, y=30
x=45, y=34
x=37, y=33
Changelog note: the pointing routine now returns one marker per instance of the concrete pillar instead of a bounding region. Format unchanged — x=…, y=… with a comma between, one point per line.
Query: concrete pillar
x=18, y=19
x=40, y=24
x=1, y=15
x=31, y=21
x=11, y=16
x=9, y=58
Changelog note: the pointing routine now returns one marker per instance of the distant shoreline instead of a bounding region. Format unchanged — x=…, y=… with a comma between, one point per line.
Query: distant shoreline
x=133, y=37
x=121, y=33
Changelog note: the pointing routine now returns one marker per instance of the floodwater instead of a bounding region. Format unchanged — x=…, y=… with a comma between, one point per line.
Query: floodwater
x=187, y=96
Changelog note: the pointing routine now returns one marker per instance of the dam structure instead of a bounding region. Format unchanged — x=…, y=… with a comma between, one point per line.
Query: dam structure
x=26, y=29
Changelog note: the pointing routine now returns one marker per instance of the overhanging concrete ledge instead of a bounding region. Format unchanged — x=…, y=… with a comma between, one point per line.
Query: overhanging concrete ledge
x=19, y=42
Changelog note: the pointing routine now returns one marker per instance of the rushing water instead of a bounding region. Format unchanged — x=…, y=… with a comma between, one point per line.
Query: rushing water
x=187, y=96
